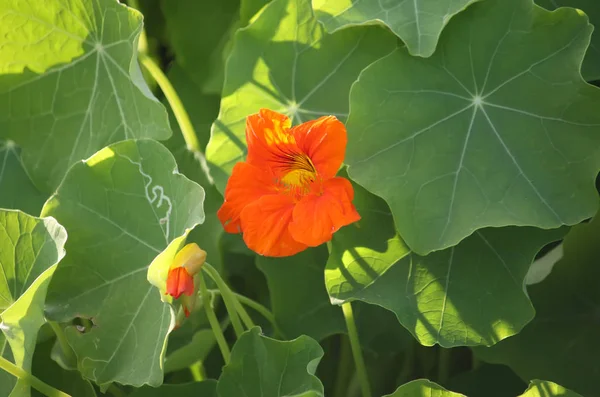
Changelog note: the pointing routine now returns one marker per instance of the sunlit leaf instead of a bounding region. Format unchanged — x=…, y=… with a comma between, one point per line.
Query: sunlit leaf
x=471, y=294
x=16, y=190
x=591, y=63
x=422, y=388
x=70, y=83
x=561, y=343
x=496, y=128
x=542, y=388
x=122, y=208
x=30, y=248
x=418, y=23
x=286, y=62
x=261, y=366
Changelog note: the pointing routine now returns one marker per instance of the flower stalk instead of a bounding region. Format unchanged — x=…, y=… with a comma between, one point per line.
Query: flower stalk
x=31, y=380
x=361, y=370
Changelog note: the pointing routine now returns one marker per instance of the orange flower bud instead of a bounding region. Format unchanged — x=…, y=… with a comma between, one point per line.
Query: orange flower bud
x=179, y=281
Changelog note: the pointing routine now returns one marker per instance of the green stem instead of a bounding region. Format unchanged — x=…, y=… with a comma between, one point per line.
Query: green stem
x=256, y=306
x=31, y=380
x=187, y=129
x=443, y=365
x=228, y=298
x=212, y=319
x=115, y=391
x=361, y=370
x=62, y=341
x=344, y=368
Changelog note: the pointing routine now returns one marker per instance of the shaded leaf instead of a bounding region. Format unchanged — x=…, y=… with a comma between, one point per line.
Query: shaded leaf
x=16, y=190
x=207, y=388
x=286, y=62
x=561, y=343
x=591, y=63
x=418, y=23
x=261, y=366
x=196, y=350
x=471, y=294
x=487, y=380
x=122, y=207
x=424, y=388
x=30, y=248
x=70, y=83
x=543, y=388
x=497, y=128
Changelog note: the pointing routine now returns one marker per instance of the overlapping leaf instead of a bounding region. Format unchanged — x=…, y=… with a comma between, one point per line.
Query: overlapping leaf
x=286, y=62
x=418, y=23
x=471, y=294
x=561, y=343
x=207, y=388
x=591, y=63
x=16, y=190
x=70, y=83
x=496, y=128
x=261, y=366
x=543, y=388
x=122, y=207
x=30, y=248
x=423, y=387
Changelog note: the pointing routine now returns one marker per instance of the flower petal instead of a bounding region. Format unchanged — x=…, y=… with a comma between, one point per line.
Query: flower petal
x=246, y=184
x=324, y=141
x=179, y=281
x=268, y=138
x=265, y=226
x=317, y=217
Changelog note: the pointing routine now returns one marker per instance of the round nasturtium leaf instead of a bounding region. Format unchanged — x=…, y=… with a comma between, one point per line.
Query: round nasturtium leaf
x=122, y=208
x=30, y=248
x=423, y=387
x=544, y=388
x=262, y=366
x=470, y=294
x=590, y=69
x=496, y=128
x=418, y=23
x=286, y=62
x=561, y=343
x=70, y=83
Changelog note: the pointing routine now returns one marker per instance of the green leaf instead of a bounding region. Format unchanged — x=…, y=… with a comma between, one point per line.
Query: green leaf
x=422, y=387
x=298, y=296
x=16, y=190
x=196, y=350
x=487, y=380
x=187, y=20
x=122, y=208
x=497, y=128
x=30, y=248
x=262, y=366
x=207, y=388
x=591, y=63
x=70, y=83
x=286, y=62
x=543, y=388
x=561, y=343
x=471, y=294
x=418, y=23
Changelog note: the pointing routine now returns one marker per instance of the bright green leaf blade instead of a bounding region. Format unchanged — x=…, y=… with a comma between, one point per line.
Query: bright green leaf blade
x=422, y=388
x=497, y=128
x=591, y=63
x=284, y=61
x=565, y=328
x=543, y=388
x=207, y=388
x=471, y=294
x=418, y=23
x=298, y=297
x=70, y=83
x=122, y=207
x=30, y=248
x=16, y=190
x=262, y=366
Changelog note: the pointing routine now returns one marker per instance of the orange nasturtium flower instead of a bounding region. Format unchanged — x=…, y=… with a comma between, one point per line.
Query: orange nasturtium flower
x=180, y=279
x=285, y=197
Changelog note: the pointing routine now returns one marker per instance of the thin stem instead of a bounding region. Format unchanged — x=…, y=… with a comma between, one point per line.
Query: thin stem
x=187, y=129
x=31, y=380
x=63, y=342
x=212, y=319
x=256, y=306
x=228, y=298
x=344, y=368
x=361, y=370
